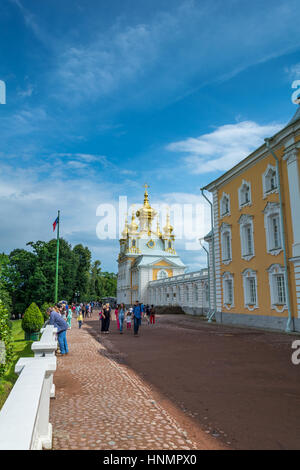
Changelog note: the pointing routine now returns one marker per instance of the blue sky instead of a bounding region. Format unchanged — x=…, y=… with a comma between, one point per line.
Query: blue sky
x=103, y=96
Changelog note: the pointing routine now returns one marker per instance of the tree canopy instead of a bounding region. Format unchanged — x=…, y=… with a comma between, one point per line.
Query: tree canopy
x=28, y=276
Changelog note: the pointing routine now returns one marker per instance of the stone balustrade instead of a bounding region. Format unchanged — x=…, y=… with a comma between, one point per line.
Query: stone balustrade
x=24, y=417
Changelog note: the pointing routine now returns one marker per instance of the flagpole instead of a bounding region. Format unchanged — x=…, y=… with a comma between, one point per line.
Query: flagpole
x=57, y=258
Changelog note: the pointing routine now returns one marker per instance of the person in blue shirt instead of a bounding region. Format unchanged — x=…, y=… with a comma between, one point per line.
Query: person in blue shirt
x=137, y=317
x=58, y=322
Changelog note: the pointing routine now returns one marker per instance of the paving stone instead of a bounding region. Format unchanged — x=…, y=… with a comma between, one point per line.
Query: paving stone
x=101, y=403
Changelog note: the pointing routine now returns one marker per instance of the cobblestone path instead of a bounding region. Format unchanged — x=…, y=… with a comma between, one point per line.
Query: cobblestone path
x=101, y=404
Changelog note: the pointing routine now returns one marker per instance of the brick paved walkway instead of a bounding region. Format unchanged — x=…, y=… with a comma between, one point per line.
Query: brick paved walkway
x=101, y=404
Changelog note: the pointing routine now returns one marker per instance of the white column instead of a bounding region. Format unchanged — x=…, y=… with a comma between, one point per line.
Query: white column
x=292, y=159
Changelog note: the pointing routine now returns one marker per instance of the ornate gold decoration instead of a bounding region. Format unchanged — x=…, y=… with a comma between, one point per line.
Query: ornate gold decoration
x=125, y=231
x=151, y=243
x=133, y=227
x=168, y=229
x=146, y=214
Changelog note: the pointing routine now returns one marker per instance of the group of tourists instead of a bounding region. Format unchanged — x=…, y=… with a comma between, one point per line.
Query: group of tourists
x=123, y=315
x=61, y=314
x=61, y=317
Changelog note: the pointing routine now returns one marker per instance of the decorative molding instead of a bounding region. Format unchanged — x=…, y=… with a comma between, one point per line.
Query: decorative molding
x=249, y=273
x=272, y=209
x=265, y=175
x=244, y=220
x=274, y=270
x=245, y=184
x=224, y=214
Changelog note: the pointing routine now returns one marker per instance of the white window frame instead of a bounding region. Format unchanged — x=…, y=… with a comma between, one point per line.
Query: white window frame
x=240, y=194
x=222, y=200
x=162, y=274
x=274, y=271
x=265, y=180
x=247, y=275
x=226, y=278
x=271, y=211
x=226, y=236
x=246, y=221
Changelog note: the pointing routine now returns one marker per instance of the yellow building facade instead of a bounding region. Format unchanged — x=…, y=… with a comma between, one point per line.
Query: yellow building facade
x=256, y=218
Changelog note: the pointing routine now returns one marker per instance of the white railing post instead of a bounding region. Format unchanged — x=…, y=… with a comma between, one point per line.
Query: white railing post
x=24, y=417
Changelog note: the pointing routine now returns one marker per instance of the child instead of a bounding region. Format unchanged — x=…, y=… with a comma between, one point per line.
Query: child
x=80, y=319
x=69, y=317
x=128, y=320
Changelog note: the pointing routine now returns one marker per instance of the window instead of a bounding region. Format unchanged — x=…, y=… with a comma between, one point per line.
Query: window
x=196, y=293
x=226, y=243
x=162, y=274
x=250, y=289
x=277, y=287
x=228, y=290
x=273, y=228
x=244, y=194
x=280, y=289
x=270, y=184
x=133, y=243
x=251, y=292
x=275, y=232
x=224, y=205
x=247, y=239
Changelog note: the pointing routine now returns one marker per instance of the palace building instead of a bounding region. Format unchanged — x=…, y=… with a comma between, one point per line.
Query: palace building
x=256, y=227
x=146, y=254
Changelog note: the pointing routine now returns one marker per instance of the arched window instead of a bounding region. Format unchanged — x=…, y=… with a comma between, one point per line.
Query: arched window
x=244, y=194
x=224, y=205
x=270, y=180
x=162, y=274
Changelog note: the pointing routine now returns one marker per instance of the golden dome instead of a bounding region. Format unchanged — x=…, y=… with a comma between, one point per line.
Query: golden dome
x=146, y=214
x=125, y=231
x=168, y=229
x=133, y=227
x=158, y=232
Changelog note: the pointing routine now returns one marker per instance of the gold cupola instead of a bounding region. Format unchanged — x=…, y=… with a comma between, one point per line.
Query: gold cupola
x=168, y=229
x=125, y=231
x=158, y=232
x=133, y=227
x=146, y=215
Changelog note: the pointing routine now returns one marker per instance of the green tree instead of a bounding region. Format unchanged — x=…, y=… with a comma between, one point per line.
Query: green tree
x=6, y=338
x=83, y=262
x=5, y=297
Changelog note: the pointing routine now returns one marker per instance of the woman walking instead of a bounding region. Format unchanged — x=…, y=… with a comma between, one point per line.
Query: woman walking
x=121, y=317
x=117, y=316
x=106, y=321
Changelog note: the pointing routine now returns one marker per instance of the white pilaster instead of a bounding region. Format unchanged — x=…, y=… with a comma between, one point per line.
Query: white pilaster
x=292, y=158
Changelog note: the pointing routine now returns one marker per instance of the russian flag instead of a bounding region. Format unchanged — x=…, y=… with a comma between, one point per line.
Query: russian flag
x=54, y=223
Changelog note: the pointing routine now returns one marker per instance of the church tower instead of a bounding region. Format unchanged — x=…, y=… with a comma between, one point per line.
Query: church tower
x=146, y=254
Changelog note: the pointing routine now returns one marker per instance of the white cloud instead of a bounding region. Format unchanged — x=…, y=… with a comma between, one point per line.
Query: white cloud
x=293, y=71
x=224, y=147
x=169, y=53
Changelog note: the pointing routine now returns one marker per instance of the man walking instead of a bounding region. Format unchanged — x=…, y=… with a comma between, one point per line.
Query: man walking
x=137, y=317
x=58, y=322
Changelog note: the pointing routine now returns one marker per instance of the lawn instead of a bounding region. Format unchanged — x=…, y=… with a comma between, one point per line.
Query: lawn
x=22, y=348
